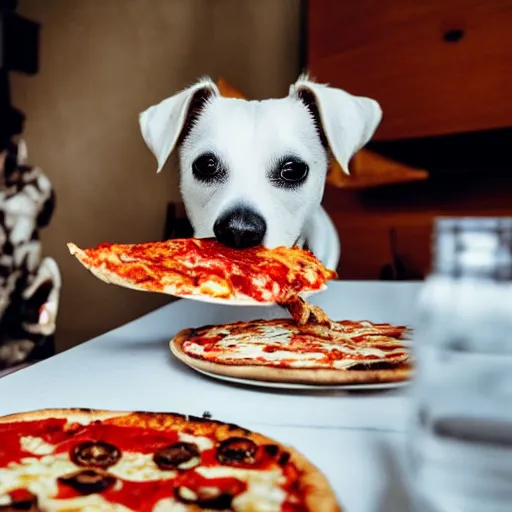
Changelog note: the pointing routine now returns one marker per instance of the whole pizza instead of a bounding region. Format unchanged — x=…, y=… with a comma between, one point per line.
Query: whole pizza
x=91, y=460
x=321, y=351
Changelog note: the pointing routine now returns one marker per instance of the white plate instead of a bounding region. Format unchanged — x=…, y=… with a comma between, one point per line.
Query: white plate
x=292, y=385
x=243, y=301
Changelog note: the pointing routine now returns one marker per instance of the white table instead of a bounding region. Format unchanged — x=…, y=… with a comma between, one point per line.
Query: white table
x=356, y=439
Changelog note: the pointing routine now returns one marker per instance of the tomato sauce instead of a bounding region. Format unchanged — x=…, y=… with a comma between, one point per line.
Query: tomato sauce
x=51, y=430
x=152, y=264
x=20, y=495
x=194, y=481
x=138, y=496
x=135, y=439
x=143, y=496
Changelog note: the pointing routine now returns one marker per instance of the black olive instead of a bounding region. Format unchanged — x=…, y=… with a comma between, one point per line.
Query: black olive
x=177, y=456
x=237, y=451
x=28, y=504
x=96, y=454
x=206, y=497
x=88, y=481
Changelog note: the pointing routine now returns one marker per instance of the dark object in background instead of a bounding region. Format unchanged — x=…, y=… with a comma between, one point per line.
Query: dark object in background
x=11, y=124
x=19, y=51
x=20, y=43
x=8, y=5
x=399, y=269
x=29, y=285
x=11, y=119
x=177, y=224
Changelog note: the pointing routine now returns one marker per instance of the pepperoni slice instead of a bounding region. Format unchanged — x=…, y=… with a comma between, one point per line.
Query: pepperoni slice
x=212, y=498
x=96, y=454
x=236, y=451
x=177, y=456
x=88, y=481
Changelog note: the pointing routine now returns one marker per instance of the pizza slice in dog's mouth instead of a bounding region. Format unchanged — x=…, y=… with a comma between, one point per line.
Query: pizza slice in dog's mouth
x=204, y=269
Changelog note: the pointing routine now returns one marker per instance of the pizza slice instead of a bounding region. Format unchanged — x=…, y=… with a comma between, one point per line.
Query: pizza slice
x=303, y=312
x=282, y=350
x=83, y=460
x=204, y=267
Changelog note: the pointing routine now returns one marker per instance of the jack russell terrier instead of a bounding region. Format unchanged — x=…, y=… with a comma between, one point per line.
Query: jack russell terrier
x=253, y=172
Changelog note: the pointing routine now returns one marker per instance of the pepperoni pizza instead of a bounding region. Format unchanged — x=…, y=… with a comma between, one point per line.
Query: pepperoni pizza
x=85, y=460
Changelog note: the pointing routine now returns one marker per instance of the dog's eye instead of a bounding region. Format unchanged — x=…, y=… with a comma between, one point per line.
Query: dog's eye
x=289, y=172
x=206, y=166
x=293, y=171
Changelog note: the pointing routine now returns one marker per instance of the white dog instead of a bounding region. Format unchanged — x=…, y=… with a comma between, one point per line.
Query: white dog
x=253, y=172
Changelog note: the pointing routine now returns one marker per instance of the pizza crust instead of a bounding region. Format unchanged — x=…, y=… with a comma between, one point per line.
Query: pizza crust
x=321, y=376
x=80, y=415
x=316, y=489
x=103, y=274
x=318, y=493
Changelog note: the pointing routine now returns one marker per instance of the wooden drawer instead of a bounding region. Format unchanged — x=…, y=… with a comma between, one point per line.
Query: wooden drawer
x=365, y=220
x=406, y=55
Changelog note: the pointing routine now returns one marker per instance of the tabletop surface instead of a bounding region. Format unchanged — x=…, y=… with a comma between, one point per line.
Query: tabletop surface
x=356, y=438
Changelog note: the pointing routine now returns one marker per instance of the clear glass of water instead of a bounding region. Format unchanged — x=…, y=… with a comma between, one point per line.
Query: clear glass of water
x=460, y=435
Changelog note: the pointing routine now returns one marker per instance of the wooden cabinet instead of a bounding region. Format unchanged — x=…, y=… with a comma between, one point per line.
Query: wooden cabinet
x=435, y=66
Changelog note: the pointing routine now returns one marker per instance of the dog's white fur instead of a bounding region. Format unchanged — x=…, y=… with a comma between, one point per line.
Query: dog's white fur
x=251, y=135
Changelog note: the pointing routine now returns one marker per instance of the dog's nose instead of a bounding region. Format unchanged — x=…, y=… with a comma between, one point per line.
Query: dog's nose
x=240, y=228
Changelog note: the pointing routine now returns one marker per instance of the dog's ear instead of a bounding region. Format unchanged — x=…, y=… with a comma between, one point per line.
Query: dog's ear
x=344, y=122
x=165, y=125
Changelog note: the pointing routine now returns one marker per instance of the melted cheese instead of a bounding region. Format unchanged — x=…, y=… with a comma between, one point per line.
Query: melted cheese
x=36, y=445
x=138, y=467
x=233, y=347
x=263, y=493
x=259, y=498
x=293, y=359
x=214, y=288
x=5, y=499
x=39, y=476
x=203, y=443
x=91, y=503
x=169, y=505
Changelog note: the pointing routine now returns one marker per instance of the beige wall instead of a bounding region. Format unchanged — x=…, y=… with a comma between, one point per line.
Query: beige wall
x=102, y=62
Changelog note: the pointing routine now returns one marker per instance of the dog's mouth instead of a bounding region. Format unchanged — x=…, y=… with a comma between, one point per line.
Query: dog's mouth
x=295, y=244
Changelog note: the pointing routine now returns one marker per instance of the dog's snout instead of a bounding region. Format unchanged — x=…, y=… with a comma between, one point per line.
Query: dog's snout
x=240, y=228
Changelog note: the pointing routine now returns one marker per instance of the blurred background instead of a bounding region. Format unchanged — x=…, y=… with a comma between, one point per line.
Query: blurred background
x=442, y=71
